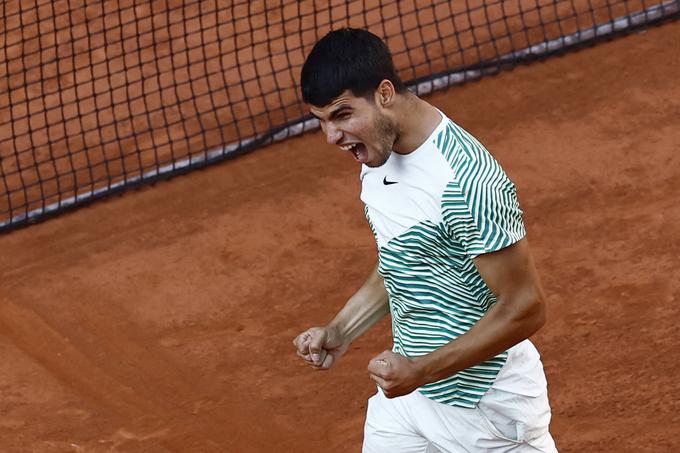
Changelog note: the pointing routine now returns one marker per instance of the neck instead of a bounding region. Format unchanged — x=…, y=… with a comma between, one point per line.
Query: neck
x=416, y=119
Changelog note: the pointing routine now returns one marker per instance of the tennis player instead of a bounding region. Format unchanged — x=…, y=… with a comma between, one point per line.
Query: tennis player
x=454, y=267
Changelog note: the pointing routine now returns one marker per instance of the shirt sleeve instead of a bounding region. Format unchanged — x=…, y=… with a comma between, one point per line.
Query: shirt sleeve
x=480, y=208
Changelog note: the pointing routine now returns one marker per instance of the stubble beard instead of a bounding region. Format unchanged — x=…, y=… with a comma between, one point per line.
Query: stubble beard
x=387, y=134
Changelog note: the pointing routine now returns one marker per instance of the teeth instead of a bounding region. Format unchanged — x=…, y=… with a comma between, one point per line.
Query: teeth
x=348, y=147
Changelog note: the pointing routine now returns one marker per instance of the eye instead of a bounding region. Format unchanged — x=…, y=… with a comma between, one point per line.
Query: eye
x=344, y=115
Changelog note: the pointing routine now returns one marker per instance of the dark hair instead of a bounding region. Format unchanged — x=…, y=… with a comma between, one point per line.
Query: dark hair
x=346, y=59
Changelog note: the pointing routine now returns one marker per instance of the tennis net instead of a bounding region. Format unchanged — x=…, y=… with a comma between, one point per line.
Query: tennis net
x=100, y=96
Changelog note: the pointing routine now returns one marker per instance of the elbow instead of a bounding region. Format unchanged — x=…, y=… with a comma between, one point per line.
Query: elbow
x=525, y=313
x=537, y=315
x=529, y=315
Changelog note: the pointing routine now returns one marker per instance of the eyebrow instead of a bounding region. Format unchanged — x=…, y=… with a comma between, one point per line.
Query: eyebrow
x=335, y=112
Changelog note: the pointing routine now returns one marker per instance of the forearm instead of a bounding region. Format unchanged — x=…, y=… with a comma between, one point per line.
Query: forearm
x=366, y=307
x=503, y=326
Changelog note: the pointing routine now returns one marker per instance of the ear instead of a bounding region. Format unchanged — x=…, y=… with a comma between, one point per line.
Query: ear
x=385, y=94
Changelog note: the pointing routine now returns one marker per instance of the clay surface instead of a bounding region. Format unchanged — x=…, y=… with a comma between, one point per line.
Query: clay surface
x=162, y=320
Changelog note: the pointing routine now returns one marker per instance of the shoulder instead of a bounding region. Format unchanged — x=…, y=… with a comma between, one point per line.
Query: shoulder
x=458, y=146
x=470, y=161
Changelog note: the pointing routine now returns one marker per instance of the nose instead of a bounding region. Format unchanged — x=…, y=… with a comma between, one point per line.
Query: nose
x=333, y=134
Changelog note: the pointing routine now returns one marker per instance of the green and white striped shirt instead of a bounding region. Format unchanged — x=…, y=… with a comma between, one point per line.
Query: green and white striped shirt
x=432, y=211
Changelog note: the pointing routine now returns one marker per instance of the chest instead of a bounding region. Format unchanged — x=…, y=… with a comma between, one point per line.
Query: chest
x=405, y=192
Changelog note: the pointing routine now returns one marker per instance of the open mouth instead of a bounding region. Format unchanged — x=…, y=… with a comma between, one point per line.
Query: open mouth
x=358, y=150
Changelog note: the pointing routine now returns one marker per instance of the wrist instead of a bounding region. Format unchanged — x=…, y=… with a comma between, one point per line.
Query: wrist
x=427, y=368
x=338, y=333
x=346, y=329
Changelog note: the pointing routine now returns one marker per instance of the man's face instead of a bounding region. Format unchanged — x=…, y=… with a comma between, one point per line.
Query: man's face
x=358, y=126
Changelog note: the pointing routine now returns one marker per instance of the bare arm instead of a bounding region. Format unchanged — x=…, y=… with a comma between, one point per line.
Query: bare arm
x=366, y=307
x=519, y=311
x=320, y=347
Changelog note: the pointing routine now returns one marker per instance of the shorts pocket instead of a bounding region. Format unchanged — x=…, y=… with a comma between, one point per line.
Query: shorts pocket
x=513, y=417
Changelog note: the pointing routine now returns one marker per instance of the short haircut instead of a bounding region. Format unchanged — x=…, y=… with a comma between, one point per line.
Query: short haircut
x=347, y=59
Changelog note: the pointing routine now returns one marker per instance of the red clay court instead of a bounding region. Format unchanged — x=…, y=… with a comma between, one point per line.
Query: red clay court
x=162, y=320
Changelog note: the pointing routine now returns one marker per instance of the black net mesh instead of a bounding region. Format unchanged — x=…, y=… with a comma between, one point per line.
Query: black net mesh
x=96, y=97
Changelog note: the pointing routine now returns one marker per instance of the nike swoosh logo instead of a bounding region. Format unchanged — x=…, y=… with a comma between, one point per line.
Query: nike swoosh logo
x=387, y=183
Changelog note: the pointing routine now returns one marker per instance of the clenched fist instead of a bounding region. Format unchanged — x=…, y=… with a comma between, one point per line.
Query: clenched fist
x=395, y=374
x=320, y=347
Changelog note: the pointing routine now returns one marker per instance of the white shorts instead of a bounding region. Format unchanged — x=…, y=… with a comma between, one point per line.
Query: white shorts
x=501, y=422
